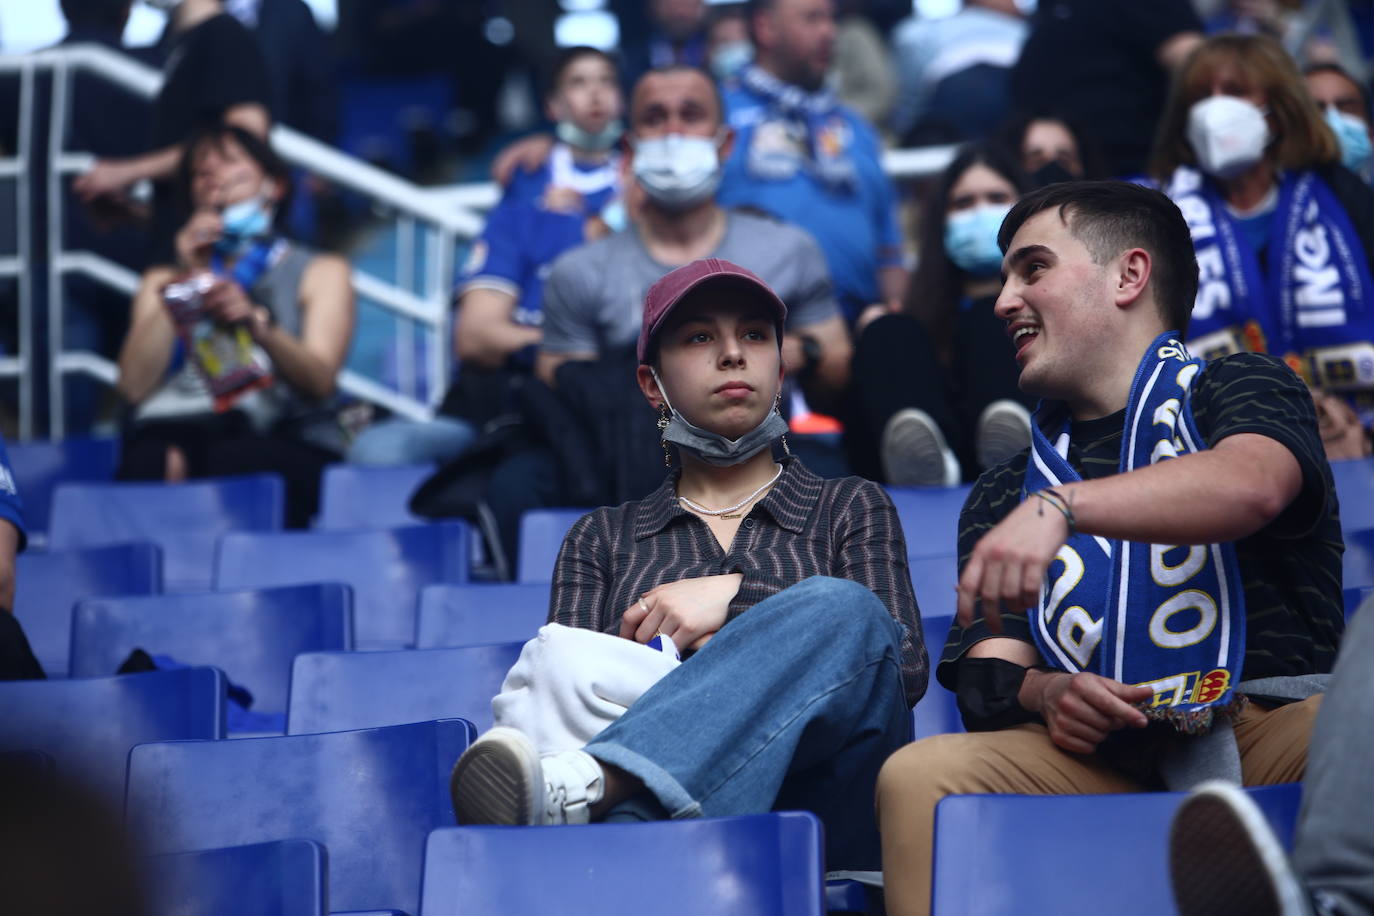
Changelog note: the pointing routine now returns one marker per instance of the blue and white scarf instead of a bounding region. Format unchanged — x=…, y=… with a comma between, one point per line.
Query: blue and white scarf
x=1171, y=618
x=812, y=118
x=1315, y=306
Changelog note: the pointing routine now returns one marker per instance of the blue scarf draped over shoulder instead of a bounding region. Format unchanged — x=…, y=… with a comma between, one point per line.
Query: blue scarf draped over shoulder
x=1158, y=615
x=1313, y=306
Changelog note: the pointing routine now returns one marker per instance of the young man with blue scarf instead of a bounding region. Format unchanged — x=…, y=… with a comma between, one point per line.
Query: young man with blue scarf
x=1150, y=594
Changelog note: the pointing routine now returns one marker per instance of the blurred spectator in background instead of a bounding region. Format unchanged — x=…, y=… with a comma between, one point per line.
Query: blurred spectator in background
x=500, y=295
x=952, y=72
x=16, y=657
x=302, y=78
x=675, y=34
x=863, y=69
x=1284, y=233
x=728, y=48
x=1050, y=148
x=214, y=73
x=935, y=386
x=1106, y=63
x=295, y=306
x=1345, y=103
x=807, y=159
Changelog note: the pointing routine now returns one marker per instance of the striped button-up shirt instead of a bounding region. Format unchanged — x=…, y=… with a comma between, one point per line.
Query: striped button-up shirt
x=805, y=526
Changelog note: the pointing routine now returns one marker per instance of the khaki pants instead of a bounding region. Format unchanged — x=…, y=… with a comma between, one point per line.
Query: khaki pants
x=1023, y=760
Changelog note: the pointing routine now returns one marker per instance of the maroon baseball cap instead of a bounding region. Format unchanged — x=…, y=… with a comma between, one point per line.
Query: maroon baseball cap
x=673, y=287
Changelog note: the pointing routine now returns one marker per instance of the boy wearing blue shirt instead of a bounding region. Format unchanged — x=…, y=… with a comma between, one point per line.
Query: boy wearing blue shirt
x=809, y=160
x=16, y=658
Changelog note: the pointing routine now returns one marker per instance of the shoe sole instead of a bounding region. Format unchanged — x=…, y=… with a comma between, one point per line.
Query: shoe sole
x=1225, y=861
x=1003, y=432
x=494, y=782
x=910, y=432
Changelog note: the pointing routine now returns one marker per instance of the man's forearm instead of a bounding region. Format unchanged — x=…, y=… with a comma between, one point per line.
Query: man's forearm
x=155, y=166
x=490, y=346
x=1222, y=494
x=9, y=546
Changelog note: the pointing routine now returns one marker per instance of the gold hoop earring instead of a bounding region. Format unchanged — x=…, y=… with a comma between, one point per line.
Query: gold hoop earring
x=664, y=418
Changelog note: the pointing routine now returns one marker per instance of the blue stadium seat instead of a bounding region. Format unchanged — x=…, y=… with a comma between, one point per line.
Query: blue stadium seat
x=386, y=569
x=354, y=496
x=477, y=614
x=753, y=865
x=541, y=535
x=1082, y=859
x=930, y=518
x=332, y=691
x=933, y=579
x=40, y=466
x=48, y=586
x=937, y=712
x=1358, y=562
x=370, y=797
x=1355, y=490
x=88, y=725
x=1355, y=598
x=185, y=520
x=252, y=636
x=281, y=878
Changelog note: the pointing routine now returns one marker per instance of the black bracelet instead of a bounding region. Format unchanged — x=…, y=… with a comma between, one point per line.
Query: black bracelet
x=1056, y=499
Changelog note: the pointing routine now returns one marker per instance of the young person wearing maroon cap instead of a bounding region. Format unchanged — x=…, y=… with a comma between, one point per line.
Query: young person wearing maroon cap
x=791, y=591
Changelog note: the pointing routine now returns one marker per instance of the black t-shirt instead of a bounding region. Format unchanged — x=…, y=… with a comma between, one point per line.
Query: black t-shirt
x=1095, y=60
x=211, y=68
x=1291, y=569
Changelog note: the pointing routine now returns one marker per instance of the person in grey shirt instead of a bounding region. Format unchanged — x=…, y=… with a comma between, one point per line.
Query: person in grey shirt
x=594, y=294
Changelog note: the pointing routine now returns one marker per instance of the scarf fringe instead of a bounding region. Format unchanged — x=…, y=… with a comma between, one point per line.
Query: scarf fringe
x=1197, y=721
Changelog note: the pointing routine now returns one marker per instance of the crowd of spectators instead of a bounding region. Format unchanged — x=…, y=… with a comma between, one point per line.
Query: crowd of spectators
x=982, y=326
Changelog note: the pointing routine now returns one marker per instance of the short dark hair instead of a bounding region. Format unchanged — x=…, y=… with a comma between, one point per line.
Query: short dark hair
x=1109, y=217
x=669, y=69
x=258, y=149
x=1342, y=72
x=570, y=56
x=98, y=14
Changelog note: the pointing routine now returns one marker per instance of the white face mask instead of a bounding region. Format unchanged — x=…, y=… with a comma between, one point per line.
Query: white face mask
x=1228, y=135
x=677, y=171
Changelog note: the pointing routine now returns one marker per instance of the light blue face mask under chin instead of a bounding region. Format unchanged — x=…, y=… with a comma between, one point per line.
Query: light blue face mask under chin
x=244, y=222
x=713, y=448
x=971, y=239
x=1353, y=136
x=583, y=139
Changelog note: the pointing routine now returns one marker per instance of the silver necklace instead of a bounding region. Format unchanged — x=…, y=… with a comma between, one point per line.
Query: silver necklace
x=725, y=513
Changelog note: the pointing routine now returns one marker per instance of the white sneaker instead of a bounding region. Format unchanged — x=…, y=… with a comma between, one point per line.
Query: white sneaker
x=914, y=453
x=1004, y=428
x=501, y=779
x=1224, y=859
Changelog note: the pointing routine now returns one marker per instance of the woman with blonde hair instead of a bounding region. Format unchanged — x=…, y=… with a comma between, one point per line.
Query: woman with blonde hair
x=1284, y=234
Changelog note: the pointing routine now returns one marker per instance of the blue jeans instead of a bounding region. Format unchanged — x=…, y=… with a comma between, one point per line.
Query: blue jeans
x=794, y=704
x=399, y=441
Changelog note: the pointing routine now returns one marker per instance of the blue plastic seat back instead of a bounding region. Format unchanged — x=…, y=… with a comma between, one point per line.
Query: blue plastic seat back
x=370, y=797
x=185, y=520
x=541, y=535
x=88, y=726
x=1090, y=853
x=252, y=636
x=282, y=878
x=930, y=518
x=1358, y=562
x=40, y=466
x=1356, y=598
x=754, y=865
x=386, y=569
x=933, y=579
x=354, y=496
x=937, y=713
x=49, y=584
x=331, y=691
x=1355, y=490
x=478, y=614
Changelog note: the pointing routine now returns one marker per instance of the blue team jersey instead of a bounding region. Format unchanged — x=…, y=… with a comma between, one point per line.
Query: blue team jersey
x=11, y=506
x=596, y=184
x=517, y=247
x=857, y=228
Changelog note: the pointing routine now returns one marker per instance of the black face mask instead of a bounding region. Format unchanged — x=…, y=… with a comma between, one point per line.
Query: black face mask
x=1050, y=173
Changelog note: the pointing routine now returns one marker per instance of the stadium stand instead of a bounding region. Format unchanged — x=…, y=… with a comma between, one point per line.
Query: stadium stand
x=478, y=614
x=281, y=878
x=358, y=496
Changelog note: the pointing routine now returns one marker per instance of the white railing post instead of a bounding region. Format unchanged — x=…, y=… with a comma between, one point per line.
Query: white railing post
x=57, y=146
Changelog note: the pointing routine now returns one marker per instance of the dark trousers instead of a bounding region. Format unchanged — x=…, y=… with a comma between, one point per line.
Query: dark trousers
x=223, y=445
x=17, y=662
x=527, y=479
x=896, y=367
